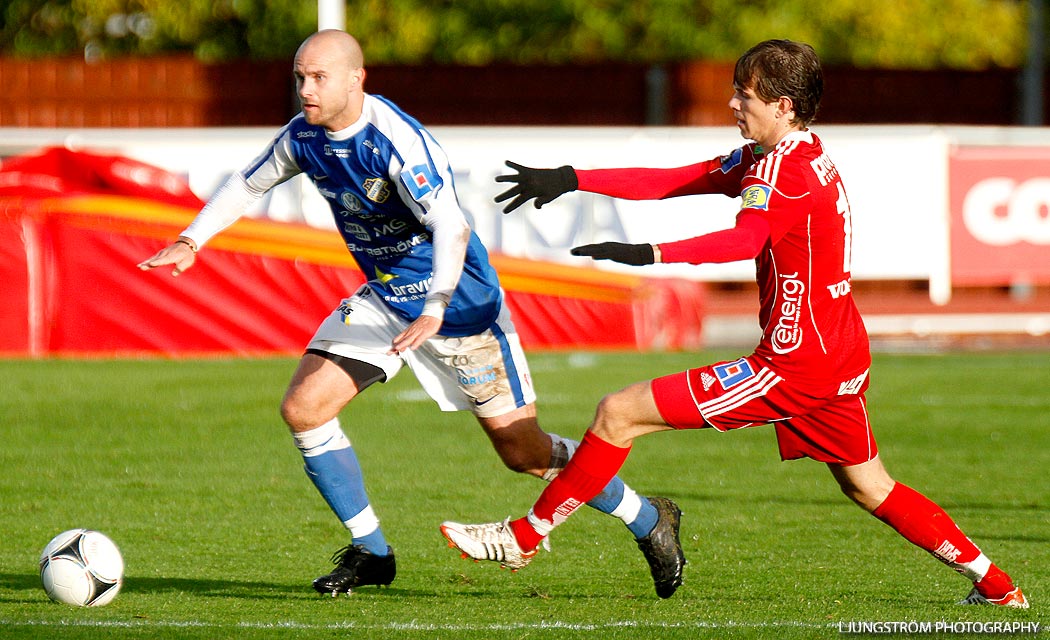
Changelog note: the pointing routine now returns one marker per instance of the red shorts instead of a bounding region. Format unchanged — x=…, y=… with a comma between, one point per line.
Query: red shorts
x=744, y=393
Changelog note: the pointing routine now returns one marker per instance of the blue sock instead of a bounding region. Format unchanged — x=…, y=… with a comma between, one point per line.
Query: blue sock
x=619, y=500
x=332, y=466
x=616, y=499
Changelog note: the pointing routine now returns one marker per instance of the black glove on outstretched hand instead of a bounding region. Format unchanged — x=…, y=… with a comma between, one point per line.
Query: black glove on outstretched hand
x=542, y=184
x=633, y=254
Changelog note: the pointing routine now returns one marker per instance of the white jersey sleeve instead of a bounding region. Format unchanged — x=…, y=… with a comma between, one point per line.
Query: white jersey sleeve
x=229, y=202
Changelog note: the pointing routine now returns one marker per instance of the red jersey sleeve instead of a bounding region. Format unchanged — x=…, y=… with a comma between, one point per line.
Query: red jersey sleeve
x=742, y=242
x=718, y=175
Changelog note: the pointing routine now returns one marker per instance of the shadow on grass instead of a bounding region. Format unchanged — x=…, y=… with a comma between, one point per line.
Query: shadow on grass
x=209, y=587
x=253, y=590
x=200, y=587
x=19, y=581
x=1011, y=537
x=995, y=506
x=743, y=503
x=835, y=499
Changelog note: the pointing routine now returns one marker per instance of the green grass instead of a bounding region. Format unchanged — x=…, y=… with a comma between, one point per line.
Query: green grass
x=187, y=466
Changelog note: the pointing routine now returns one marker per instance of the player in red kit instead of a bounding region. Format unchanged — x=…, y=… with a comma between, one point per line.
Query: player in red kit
x=809, y=373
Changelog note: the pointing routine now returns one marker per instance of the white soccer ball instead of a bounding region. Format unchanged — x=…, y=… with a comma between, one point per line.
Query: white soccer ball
x=82, y=568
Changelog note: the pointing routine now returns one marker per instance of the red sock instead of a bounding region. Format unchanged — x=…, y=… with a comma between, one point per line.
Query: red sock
x=928, y=527
x=995, y=584
x=588, y=472
x=528, y=538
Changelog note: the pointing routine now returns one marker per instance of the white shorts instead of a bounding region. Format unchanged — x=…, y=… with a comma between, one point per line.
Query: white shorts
x=485, y=373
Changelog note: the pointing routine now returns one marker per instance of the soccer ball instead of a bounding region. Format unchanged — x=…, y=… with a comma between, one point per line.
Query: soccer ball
x=82, y=568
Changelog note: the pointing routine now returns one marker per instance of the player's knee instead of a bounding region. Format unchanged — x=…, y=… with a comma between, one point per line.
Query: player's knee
x=867, y=496
x=613, y=420
x=296, y=416
x=851, y=492
x=289, y=415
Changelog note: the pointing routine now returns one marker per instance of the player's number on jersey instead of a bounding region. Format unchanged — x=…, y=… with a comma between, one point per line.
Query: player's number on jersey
x=842, y=204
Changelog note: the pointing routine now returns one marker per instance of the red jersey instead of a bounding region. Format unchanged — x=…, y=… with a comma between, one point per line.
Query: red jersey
x=812, y=332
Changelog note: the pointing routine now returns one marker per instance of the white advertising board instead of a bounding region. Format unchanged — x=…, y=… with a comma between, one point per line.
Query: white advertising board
x=896, y=179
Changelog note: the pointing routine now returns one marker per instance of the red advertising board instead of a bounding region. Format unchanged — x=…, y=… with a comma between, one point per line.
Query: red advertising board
x=74, y=225
x=999, y=201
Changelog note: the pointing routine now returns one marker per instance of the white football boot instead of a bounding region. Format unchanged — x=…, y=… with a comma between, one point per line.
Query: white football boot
x=490, y=541
x=1015, y=599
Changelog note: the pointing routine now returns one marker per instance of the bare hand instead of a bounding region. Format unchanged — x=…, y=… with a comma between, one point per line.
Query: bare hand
x=178, y=253
x=422, y=329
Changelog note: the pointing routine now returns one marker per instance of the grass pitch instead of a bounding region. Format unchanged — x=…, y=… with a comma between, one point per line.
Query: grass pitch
x=187, y=466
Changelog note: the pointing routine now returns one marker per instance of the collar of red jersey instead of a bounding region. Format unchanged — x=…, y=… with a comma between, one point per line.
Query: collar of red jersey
x=804, y=135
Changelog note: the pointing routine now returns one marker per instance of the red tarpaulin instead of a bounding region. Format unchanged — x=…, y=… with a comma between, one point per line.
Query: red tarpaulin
x=73, y=226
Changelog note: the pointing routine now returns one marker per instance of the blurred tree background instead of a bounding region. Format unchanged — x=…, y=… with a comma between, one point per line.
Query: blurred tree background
x=904, y=34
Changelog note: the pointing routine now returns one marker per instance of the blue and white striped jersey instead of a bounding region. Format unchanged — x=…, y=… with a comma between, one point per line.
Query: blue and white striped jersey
x=391, y=191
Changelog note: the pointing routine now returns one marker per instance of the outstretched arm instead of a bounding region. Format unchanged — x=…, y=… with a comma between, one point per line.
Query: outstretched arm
x=717, y=175
x=742, y=242
x=544, y=185
x=658, y=184
x=227, y=205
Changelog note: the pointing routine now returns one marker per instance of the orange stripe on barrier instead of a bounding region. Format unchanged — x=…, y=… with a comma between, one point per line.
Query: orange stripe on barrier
x=145, y=218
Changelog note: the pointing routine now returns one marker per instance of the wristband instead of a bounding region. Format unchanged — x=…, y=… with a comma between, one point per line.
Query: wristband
x=187, y=243
x=435, y=308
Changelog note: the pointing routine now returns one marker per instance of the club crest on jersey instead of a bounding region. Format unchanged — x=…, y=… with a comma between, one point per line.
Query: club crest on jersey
x=420, y=180
x=756, y=197
x=376, y=190
x=732, y=160
x=730, y=374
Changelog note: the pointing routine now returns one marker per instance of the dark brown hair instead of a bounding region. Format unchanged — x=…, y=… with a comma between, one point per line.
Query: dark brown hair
x=776, y=68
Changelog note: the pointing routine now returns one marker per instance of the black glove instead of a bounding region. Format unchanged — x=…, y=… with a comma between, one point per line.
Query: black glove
x=634, y=254
x=542, y=184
